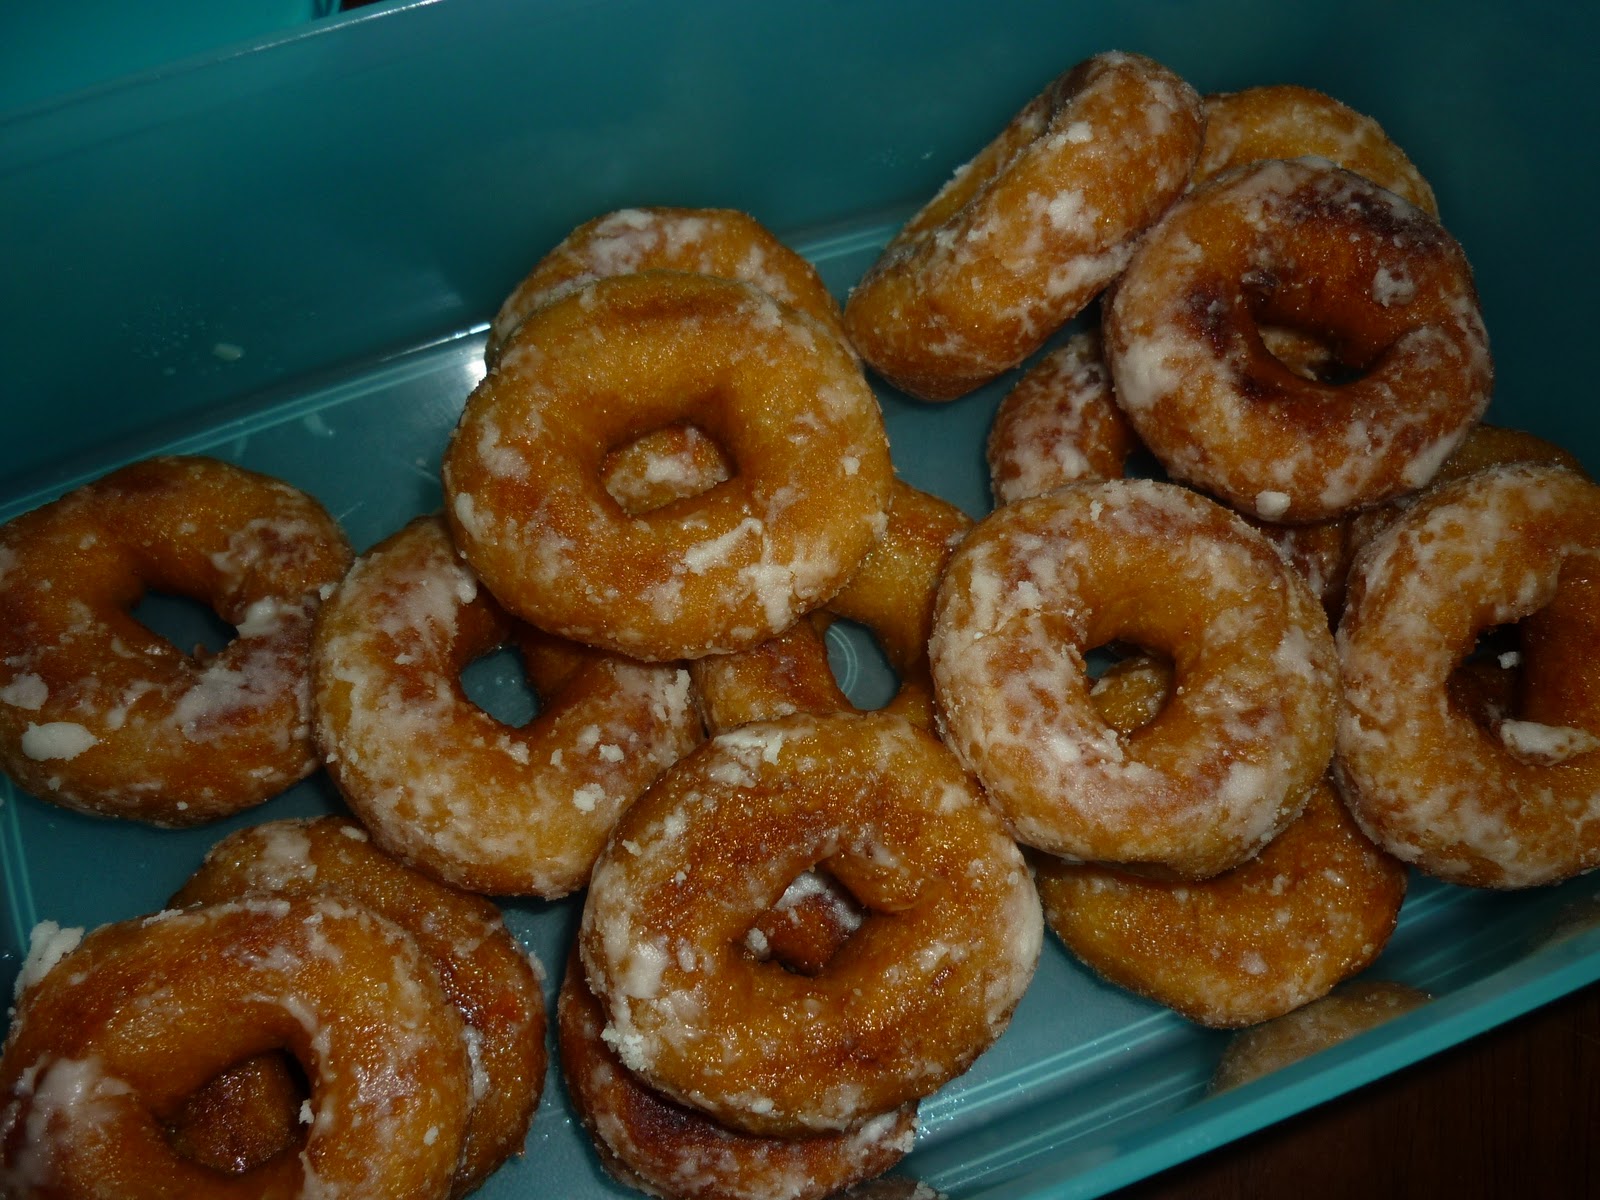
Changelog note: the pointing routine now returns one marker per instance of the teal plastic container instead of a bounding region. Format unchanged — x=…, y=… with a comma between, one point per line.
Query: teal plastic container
x=284, y=254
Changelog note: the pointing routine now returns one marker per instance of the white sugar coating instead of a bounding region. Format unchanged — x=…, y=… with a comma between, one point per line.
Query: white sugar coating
x=1422, y=778
x=437, y=779
x=69, y=1102
x=56, y=740
x=48, y=944
x=1011, y=628
x=1198, y=387
x=26, y=691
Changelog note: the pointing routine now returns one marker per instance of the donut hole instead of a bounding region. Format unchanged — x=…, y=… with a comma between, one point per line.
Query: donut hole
x=676, y=462
x=859, y=664
x=244, y=1116
x=1484, y=685
x=1307, y=354
x=1129, y=685
x=807, y=925
x=188, y=625
x=497, y=682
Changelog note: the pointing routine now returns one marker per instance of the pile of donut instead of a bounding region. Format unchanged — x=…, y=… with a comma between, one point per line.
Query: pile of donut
x=800, y=919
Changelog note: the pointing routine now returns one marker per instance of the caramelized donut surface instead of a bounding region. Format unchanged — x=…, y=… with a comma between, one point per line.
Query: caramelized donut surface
x=1512, y=804
x=651, y=1143
x=139, y=1015
x=925, y=984
x=438, y=781
x=1351, y=1008
x=485, y=974
x=1231, y=756
x=1030, y=230
x=1058, y=425
x=1322, y=251
x=1287, y=121
x=710, y=241
x=720, y=571
x=101, y=715
x=1315, y=907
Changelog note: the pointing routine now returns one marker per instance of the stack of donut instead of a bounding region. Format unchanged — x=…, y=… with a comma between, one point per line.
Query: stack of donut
x=799, y=918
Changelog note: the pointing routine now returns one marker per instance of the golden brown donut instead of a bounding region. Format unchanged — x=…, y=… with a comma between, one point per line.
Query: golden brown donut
x=1516, y=804
x=720, y=571
x=1288, y=121
x=1321, y=250
x=1349, y=1009
x=438, y=781
x=891, y=594
x=130, y=1022
x=651, y=1143
x=1030, y=230
x=101, y=715
x=485, y=974
x=711, y=241
x=1059, y=424
x=926, y=983
x=1315, y=907
x=1228, y=761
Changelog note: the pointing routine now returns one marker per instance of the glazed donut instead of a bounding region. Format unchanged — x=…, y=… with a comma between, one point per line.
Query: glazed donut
x=648, y=1142
x=1506, y=807
x=1315, y=907
x=891, y=594
x=1321, y=250
x=1058, y=425
x=725, y=570
x=135, y=1018
x=1287, y=121
x=1349, y=1009
x=489, y=978
x=101, y=715
x=710, y=241
x=926, y=983
x=1230, y=758
x=1026, y=234
x=438, y=781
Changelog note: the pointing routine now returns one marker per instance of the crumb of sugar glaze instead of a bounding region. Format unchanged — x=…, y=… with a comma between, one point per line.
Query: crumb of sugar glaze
x=1229, y=759
x=1030, y=230
x=1462, y=800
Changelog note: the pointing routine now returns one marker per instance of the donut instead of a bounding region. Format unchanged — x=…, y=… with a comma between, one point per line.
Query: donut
x=141, y=1013
x=1315, y=907
x=1320, y=250
x=928, y=981
x=1510, y=806
x=1058, y=425
x=1351, y=1008
x=891, y=594
x=484, y=973
x=721, y=571
x=1028, y=231
x=660, y=1147
x=101, y=715
x=1287, y=121
x=439, y=782
x=711, y=241
x=1226, y=764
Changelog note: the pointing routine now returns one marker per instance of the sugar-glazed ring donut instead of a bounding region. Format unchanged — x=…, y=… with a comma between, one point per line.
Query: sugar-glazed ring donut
x=99, y=714
x=1230, y=758
x=711, y=241
x=926, y=983
x=441, y=783
x=720, y=571
x=1515, y=804
x=1030, y=230
x=1321, y=250
x=489, y=978
x=1058, y=425
x=141, y=1013
x=1288, y=121
x=1315, y=907
x=651, y=1143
